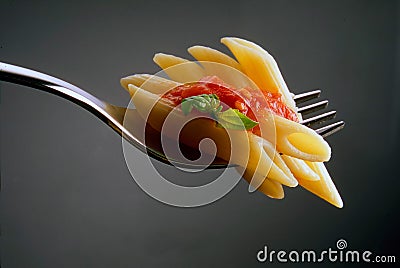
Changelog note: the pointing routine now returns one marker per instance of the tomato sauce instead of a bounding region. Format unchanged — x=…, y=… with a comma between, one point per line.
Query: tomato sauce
x=248, y=101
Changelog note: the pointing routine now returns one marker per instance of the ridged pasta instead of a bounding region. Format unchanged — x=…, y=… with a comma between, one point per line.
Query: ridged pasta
x=208, y=54
x=324, y=187
x=301, y=150
x=260, y=66
x=300, y=169
x=188, y=72
x=151, y=83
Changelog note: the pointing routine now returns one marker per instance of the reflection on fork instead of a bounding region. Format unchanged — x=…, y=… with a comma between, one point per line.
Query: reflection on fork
x=316, y=120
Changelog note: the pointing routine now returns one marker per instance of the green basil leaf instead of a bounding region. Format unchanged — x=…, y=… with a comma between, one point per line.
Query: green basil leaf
x=206, y=103
x=186, y=106
x=209, y=103
x=234, y=119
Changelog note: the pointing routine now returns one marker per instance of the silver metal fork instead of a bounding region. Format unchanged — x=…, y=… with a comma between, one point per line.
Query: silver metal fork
x=113, y=115
x=316, y=120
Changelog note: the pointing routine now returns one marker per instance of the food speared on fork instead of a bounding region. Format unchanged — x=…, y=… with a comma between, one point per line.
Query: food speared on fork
x=259, y=118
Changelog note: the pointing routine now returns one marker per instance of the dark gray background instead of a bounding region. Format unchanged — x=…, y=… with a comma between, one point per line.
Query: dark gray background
x=67, y=198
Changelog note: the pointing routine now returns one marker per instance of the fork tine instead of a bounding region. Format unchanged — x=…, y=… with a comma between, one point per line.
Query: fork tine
x=330, y=129
x=323, y=131
x=313, y=107
x=318, y=118
x=303, y=97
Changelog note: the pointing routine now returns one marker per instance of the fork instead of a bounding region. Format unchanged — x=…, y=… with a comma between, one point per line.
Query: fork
x=113, y=115
x=317, y=119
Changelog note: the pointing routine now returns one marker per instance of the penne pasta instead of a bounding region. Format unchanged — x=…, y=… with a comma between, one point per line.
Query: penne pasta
x=260, y=66
x=207, y=54
x=151, y=83
x=299, y=141
x=300, y=169
x=324, y=187
x=268, y=187
x=281, y=152
x=187, y=72
x=265, y=163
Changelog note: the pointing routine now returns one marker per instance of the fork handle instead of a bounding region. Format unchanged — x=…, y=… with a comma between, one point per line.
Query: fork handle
x=23, y=76
x=112, y=115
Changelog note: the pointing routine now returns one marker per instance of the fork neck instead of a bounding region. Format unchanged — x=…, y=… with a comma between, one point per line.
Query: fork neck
x=110, y=114
x=23, y=76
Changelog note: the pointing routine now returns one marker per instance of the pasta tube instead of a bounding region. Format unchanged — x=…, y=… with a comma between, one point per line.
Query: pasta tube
x=292, y=155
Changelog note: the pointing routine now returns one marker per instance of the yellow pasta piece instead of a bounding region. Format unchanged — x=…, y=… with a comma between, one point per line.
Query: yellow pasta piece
x=202, y=53
x=300, y=169
x=184, y=71
x=272, y=189
x=264, y=162
x=151, y=83
x=268, y=187
x=324, y=187
x=260, y=66
x=299, y=141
